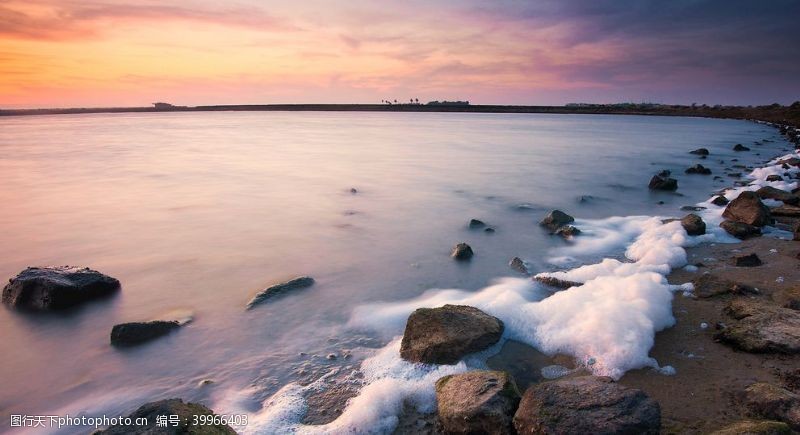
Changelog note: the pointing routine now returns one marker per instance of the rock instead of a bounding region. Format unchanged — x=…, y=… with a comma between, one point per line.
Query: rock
x=762, y=327
x=488, y=230
x=519, y=265
x=461, y=252
x=693, y=224
x=353, y=190
x=786, y=211
x=774, y=178
x=769, y=192
x=663, y=183
x=568, y=231
x=751, y=260
x=740, y=230
x=747, y=208
x=740, y=147
x=556, y=219
x=791, y=161
x=720, y=200
x=129, y=334
x=555, y=282
x=788, y=298
x=586, y=405
x=477, y=402
x=53, y=288
x=708, y=285
x=700, y=152
x=185, y=412
x=772, y=402
x=692, y=208
x=698, y=169
x=446, y=334
x=475, y=223
x=665, y=173
x=755, y=427
x=280, y=289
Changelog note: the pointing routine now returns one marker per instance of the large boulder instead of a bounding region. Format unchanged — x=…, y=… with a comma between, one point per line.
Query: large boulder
x=193, y=419
x=663, y=183
x=755, y=427
x=740, y=230
x=762, y=327
x=446, y=334
x=280, y=289
x=477, y=402
x=693, y=224
x=556, y=219
x=52, y=288
x=589, y=405
x=133, y=333
x=776, y=403
x=747, y=208
x=769, y=192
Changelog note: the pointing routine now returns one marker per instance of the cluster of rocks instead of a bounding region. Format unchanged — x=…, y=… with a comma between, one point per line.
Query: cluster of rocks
x=558, y=222
x=663, y=181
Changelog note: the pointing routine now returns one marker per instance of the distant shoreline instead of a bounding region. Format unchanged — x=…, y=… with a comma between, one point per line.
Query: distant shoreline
x=788, y=115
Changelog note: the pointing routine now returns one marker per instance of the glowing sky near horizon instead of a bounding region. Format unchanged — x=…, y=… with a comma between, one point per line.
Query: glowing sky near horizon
x=59, y=53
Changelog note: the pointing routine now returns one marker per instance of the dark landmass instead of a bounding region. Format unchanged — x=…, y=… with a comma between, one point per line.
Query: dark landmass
x=787, y=115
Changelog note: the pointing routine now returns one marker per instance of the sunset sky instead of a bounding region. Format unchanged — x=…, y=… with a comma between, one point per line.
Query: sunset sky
x=68, y=53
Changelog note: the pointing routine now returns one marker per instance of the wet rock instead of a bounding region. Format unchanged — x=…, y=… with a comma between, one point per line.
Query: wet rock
x=475, y=223
x=692, y=208
x=280, y=289
x=556, y=219
x=698, y=169
x=720, y=200
x=477, y=402
x=568, y=231
x=769, y=192
x=747, y=208
x=663, y=183
x=587, y=404
x=762, y=327
x=708, y=285
x=740, y=147
x=791, y=161
x=774, y=178
x=53, y=288
x=488, y=230
x=446, y=334
x=755, y=427
x=353, y=190
x=700, y=152
x=751, y=260
x=555, y=282
x=133, y=333
x=519, y=265
x=788, y=298
x=693, y=224
x=773, y=402
x=461, y=252
x=740, y=230
x=185, y=412
x=786, y=211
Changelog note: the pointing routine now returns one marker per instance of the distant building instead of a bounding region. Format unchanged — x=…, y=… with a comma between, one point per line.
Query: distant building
x=163, y=106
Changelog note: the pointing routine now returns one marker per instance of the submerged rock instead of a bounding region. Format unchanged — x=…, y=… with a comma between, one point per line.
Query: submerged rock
x=586, y=405
x=53, y=288
x=519, y=265
x=755, y=427
x=700, y=151
x=279, y=289
x=740, y=147
x=750, y=260
x=477, y=402
x=476, y=223
x=568, y=231
x=774, y=178
x=462, y=251
x=133, y=333
x=698, y=169
x=773, y=402
x=769, y=192
x=446, y=334
x=186, y=412
x=762, y=327
x=720, y=200
x=556, y=219
x=747, y=208
x=555, y=282
x=740, y=230
x=693, y=224
x=663, y=183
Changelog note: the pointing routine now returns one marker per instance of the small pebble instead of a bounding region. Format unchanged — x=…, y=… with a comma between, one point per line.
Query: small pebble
x=704, y=325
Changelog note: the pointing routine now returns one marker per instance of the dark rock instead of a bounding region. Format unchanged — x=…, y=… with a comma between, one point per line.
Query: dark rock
x=740, y=230
x=475, y=223
x=786, y=211
x=693, y=224
x=519, y=265
x=708, y=285
x=556, y=219
x=774, y=178
x=747, y=208
x=186, y=412
x=720, y=200
x=568, y=231
x=555, y=282
x=751, y=260
x=734, y=174
x=692, y=208
x=791, y=161
x=477, y=402
x=488, y=230
x=663, y=183
x=773, y=402
x=446, y=334
x=53, y=288
x=665, y=173
x=129, y=334
x=353, y=190
x=461, y=252
x=280, y=289
x=769, y=192
x=586, y=405
x=762, y=327
x=755, y=427
x=740, y=147
x=700, y=151
x=699, y=169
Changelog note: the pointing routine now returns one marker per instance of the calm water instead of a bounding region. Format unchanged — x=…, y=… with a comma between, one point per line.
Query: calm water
x=197, y=212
